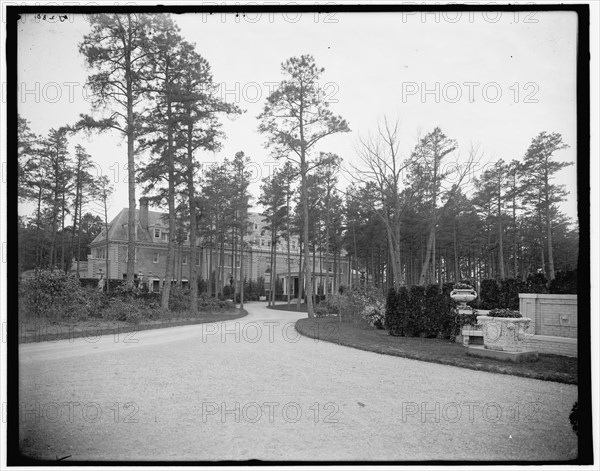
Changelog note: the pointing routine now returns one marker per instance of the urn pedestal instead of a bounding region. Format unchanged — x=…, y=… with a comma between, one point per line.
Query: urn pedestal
x=463, y=296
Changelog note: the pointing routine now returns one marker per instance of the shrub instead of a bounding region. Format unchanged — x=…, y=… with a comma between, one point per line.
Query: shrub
x=397, y=312
x=574, y=418
x=565, y=282
x=97, y=302
x=460, y=320
x=416, y=322
x=424, y=311
x=228, y=292
x=331, y=304
x=504, y=313
x=53, y=294
x=211, y=304
x=509, y=293
x=362, y=304
x=320, y=310
x=489, y=294
x=392, y=313
x=179, y=299
x=537, y=283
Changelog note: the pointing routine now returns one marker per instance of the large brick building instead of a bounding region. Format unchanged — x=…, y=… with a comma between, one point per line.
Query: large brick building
x=151, y=234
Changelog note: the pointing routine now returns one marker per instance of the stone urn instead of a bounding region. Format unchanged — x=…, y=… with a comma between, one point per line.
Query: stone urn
x=505, y=334
x=463, y=296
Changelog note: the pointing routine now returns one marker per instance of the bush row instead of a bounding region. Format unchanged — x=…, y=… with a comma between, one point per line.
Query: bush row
x=423, y=312
x=505, y=293
x=55, y=295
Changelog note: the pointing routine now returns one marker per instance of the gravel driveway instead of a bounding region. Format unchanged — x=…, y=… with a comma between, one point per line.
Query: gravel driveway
x=253, y=388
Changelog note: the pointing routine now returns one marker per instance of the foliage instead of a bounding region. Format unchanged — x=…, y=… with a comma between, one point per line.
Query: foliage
x=537, y=283
x=179, y=299
x=360, y=304
x=564, y=283
x=574, y=417
x=509, y=293
x=504, y=313
x=363, y=304
x=53, y=294
x=424, y=312
x=211, y=304
x=462, y=286
x=296, y=116
x=321, y=310
x=490, y=295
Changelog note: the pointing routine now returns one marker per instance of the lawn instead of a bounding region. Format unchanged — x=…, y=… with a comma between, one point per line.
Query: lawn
x=44, y=330
x=329, y=329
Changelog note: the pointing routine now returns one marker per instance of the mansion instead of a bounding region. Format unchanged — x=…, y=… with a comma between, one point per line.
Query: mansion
x=152, y=235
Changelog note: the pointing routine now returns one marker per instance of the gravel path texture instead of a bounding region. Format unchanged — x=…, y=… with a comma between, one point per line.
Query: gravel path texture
x=254, y=388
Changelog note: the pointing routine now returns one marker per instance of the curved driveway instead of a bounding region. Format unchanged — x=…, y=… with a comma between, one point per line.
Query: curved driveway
x=253, y=388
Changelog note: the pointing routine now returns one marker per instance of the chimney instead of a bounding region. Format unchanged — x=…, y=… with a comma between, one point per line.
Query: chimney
x=144, y=212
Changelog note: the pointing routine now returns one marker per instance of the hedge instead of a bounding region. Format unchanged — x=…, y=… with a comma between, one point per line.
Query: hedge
x=423, y=312
x=505, y=293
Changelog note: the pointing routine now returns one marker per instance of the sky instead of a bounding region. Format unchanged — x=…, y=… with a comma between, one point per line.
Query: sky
x=493, y=80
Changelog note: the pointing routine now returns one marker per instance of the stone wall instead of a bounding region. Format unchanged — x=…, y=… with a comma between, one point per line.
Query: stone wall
x=551, y=314
x=556, y=345
x=553, y=322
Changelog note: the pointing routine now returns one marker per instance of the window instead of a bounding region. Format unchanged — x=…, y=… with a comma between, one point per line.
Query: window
x=255, y=226
x=165, y=236
x=184, y=259
x=157, y=233
x=197, y=259
x=262, y=241
x=187, y=237
x=155, y=258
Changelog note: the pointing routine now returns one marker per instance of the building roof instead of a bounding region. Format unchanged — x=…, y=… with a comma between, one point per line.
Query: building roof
x=117, y=229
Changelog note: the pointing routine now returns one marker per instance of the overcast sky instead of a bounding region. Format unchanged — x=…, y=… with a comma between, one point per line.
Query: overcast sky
x=489, y=79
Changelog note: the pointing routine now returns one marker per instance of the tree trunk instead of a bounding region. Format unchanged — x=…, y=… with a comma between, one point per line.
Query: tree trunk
x=131, y=161
x=307, y=273
x=456, y=261
x=548, y=224
x=171, y=203
x=500, y=235
x=242, y=277
x=234, y=262
x=193, y=223
x=427, y=261
x=106, y=240
x=289, y=262
x=79, y=239
x=300, y=274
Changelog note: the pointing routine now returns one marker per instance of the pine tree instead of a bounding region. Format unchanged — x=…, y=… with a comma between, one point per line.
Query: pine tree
x=296, y=116
x=117, y=50
x=540, y=168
